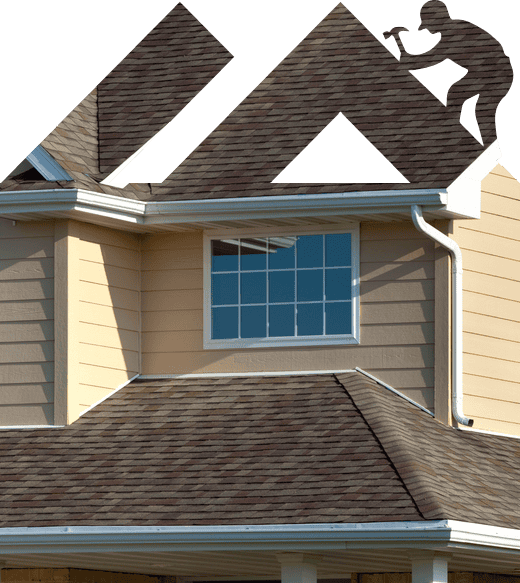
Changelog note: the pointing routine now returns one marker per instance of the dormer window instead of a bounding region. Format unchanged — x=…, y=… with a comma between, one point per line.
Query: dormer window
x=282, y=289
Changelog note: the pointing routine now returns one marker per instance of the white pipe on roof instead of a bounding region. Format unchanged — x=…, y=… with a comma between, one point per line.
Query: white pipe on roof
x=456, y=311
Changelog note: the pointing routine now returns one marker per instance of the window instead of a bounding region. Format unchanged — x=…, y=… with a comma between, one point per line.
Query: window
x=281, y=289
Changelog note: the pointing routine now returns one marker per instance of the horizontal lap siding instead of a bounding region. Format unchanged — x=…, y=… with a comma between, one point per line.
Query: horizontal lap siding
x=109, y=321
x=397, y=314
x=491, y=262
x=26, y=323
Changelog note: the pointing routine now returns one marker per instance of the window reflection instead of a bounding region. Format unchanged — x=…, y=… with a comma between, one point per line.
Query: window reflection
x=282, y=252
x=253, y=254
x=224, y=255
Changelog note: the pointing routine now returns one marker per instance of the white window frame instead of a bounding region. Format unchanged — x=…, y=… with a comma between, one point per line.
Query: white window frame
x=229, y=343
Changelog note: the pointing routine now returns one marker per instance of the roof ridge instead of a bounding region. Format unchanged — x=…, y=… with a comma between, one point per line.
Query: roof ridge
x=394, y=444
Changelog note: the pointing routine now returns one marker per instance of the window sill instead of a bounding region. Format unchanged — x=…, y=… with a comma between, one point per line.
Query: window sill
x=279, y=342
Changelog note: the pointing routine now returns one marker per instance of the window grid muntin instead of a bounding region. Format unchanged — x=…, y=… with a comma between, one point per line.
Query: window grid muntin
x=324, y=302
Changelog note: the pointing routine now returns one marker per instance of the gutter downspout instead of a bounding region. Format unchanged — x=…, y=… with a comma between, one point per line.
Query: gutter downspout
x=456, y=311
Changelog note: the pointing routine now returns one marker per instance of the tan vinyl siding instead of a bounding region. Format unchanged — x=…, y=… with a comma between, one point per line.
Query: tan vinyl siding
x=26, y=323
x=397, y=314
x=108, y=317
x=491, y=261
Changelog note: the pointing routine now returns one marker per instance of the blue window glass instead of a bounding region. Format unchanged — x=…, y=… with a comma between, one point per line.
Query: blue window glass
x=224, y=289
x=338, y=284
x=338, y=318
x=281, y=320
x=310, y=285
x=224, y=255
x=281, y=252
x=253, y=322
x=338, y=251
x=253, y=254
x=310, y=251
x=281, y=286
x=253, y=288
x=224, y=323
x=310, y=319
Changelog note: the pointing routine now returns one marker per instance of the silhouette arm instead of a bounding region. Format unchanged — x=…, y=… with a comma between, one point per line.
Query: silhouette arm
x=410, y=61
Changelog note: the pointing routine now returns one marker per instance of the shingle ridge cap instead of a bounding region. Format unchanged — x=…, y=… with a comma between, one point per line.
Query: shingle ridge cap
x=390, y=436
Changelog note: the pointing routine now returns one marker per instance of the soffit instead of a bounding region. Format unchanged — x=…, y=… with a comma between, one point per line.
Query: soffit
x=263, y=565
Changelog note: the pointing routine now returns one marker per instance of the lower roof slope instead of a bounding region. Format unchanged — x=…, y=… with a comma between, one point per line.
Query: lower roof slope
x=257, y=450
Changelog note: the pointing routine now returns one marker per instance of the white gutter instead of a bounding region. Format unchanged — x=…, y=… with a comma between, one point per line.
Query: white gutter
x=435, y=534
x=456, y=311
x=193, y=211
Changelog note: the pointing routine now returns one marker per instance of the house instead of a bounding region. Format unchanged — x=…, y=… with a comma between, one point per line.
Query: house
x=231, y=376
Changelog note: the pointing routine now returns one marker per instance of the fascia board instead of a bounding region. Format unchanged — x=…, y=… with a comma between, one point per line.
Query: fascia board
x=418, y=534
x=484, y=536
x=47, y=165
x=464, y=193
x=177, y=212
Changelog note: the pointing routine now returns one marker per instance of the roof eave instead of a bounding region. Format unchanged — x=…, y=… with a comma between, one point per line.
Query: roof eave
x=419, y=534
x=171, y=215
x=461, y=199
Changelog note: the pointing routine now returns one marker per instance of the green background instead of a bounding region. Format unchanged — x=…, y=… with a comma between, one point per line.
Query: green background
x=54, y=53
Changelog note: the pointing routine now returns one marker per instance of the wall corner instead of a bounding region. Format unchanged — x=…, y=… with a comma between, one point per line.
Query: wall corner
x=66, y=278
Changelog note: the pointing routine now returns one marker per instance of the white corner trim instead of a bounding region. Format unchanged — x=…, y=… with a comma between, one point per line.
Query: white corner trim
x=109, y=180
x=464, y=192
x=122, y=386
x=218, y=375
x=46, y=165
x=451, y=535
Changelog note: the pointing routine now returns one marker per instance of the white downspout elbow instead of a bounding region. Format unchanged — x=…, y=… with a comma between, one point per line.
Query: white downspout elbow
x=456, y=311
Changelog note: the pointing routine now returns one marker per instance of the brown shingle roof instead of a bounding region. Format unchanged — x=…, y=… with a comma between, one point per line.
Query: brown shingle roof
x=153, y=83
x=258, y=450
x=450, y=473
x=339, y=67
x=74, y=145
x=139, y=97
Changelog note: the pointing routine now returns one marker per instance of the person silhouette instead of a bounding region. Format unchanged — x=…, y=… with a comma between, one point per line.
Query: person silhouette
x=490, y=73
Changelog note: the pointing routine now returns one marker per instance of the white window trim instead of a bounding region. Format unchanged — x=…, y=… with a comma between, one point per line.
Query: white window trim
x=231, y=343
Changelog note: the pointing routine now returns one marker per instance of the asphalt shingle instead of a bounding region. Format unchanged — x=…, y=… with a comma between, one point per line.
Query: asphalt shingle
x=256, y=450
